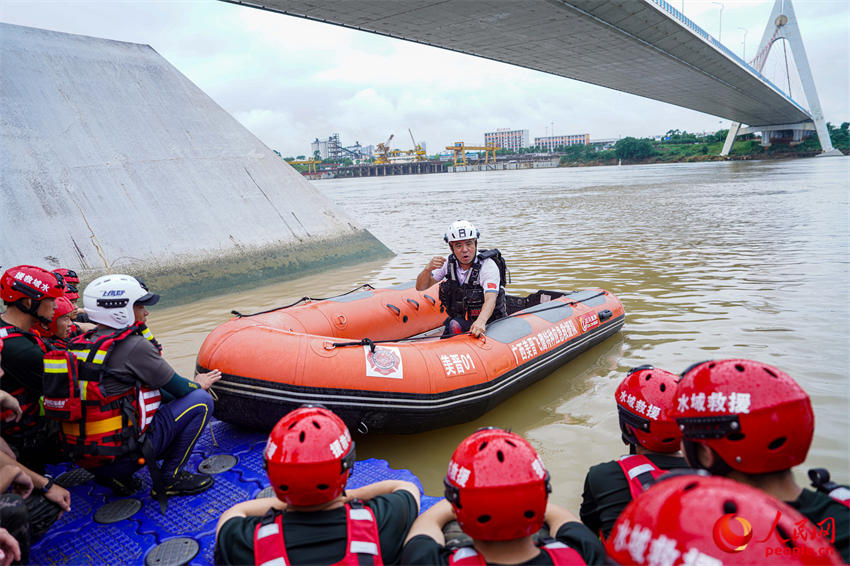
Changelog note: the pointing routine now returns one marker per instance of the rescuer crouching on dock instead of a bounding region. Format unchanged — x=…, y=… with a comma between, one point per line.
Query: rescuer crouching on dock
x=123, y=356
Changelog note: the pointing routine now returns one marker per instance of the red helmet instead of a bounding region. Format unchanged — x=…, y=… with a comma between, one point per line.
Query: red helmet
x=30, y=282
x=701, y=519
x=69, y=275
x=63, y=307
x=497, y=486
x=309, y=456
x=72, y=280
x=754, y=416
x=644, y=402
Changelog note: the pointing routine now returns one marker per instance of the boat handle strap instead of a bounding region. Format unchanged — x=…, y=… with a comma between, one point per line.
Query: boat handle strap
x=365, y=342
x=394, y=308
x=414, y=303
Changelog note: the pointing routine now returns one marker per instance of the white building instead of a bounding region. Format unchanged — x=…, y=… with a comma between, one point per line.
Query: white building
x=506, y=138
x=551, y=142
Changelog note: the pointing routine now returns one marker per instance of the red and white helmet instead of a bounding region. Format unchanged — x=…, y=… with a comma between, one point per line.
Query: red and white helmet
x=754, y=416
x=497, y=486
x=701, y=519
x=644, y=402
x=63, y=307
x=461, y=230
x=30, y=282
x=309, y=456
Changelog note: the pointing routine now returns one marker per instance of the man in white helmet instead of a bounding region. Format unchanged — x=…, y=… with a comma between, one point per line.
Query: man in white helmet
x=472, y=289
x=172, y=410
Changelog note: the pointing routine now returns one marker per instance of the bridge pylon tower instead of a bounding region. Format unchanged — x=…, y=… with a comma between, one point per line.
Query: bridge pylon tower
x=782, y=24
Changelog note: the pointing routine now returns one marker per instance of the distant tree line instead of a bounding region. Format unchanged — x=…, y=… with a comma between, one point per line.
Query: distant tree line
x=678, y=145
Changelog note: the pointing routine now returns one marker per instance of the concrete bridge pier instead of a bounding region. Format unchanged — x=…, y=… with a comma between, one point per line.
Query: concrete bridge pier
x=112, y=161
x=782, y=24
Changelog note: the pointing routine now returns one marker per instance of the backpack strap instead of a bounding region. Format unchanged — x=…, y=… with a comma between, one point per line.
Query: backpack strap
x=640, y=472
x=269, y=546
x=364, y=543
x=560, y=553
x=466, y=556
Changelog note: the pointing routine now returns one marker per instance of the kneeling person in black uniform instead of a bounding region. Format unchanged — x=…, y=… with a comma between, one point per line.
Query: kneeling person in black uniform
x=644, y=403
x=498, y=490
x=473, y=284
x=29, y=293
x=312, y=519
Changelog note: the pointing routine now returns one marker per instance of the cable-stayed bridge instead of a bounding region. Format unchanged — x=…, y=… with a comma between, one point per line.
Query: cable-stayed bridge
x=643, y=47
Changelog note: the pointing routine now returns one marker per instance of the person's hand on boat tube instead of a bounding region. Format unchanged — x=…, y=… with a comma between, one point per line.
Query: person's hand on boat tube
x=480, y=324
x=477, y=329
x=206, y=380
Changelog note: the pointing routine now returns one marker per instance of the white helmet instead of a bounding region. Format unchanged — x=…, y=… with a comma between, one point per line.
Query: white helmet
x=461, y=230
x=109, y=299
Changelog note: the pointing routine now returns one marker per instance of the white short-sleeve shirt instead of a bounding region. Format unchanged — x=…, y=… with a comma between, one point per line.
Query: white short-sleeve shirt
x=488, y=276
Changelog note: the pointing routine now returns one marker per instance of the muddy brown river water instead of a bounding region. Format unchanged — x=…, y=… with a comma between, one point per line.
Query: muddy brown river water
x=713, y=260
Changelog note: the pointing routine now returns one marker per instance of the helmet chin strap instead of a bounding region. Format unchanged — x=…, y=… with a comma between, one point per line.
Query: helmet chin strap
x=719, y=467
x=32, y=310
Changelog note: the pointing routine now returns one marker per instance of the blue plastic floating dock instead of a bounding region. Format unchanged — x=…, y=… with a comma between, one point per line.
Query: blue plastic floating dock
x=77, y=539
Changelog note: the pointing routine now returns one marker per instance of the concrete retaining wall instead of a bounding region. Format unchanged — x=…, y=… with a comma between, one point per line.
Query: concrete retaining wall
x=112, y=161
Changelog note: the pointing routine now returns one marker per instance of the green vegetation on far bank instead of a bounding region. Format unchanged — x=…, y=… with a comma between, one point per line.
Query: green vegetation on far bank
x=678, y=146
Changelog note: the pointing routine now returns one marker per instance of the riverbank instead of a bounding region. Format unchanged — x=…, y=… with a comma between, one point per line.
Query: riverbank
x=698, y=158
x=683, y=147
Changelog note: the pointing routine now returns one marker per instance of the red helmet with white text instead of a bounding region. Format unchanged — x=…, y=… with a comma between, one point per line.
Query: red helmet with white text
x=644, y=402
x=754, y=416
x=497, y=486
x=309, y=456
x=29, y=282
x=701, y=519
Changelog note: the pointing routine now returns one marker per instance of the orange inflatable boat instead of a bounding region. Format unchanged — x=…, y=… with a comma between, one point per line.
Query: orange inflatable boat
x=363, y=356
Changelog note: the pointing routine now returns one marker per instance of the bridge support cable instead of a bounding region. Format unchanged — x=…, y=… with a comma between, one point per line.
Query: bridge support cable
x=782, y=24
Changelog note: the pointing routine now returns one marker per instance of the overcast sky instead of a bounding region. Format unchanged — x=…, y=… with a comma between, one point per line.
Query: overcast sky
x=290, y=80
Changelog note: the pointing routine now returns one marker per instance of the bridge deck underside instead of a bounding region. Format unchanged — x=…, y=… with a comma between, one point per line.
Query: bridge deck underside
x=630, y=46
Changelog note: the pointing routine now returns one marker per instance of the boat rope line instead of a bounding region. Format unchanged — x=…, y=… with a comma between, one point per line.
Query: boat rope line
x=303, y=300
x=575, y=347
x=371, y=343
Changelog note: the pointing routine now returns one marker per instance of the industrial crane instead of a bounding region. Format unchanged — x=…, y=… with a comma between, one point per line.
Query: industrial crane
x=383, y=150
x=418, y=152
x=459, y=150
